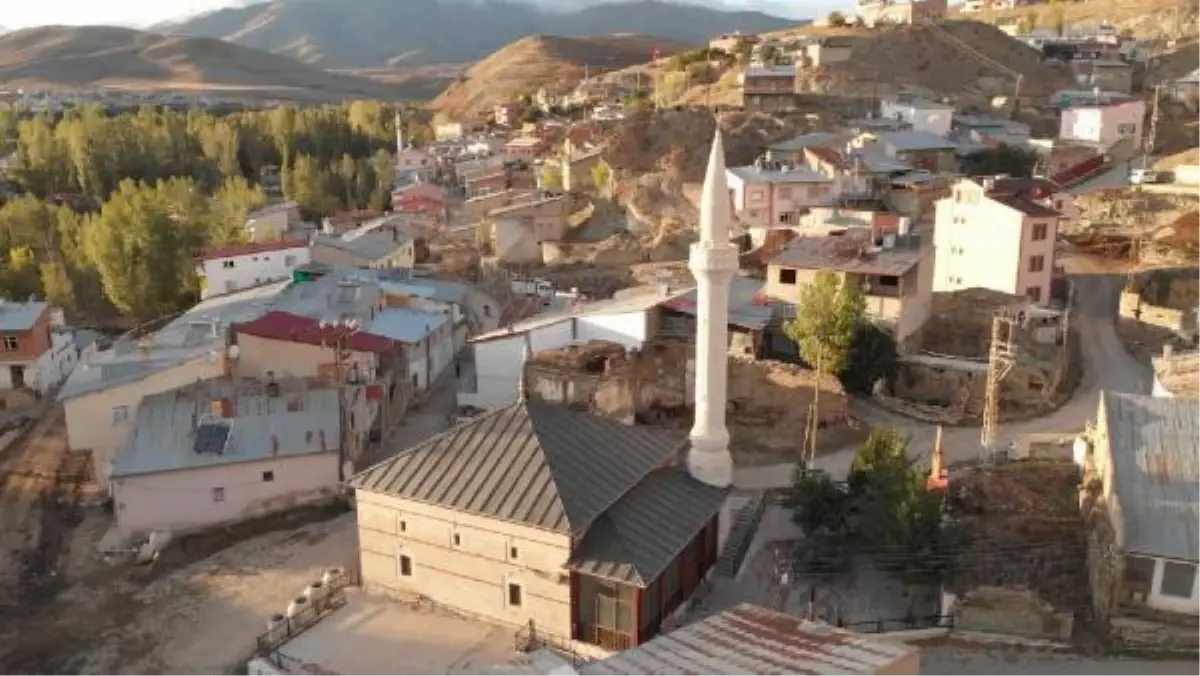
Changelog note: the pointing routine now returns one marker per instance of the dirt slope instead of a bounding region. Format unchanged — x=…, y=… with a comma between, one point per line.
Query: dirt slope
x=539, y=60
x=1145, y=19
x=85, y=56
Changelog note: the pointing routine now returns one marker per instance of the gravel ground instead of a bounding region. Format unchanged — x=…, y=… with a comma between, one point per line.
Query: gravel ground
x=960, y=659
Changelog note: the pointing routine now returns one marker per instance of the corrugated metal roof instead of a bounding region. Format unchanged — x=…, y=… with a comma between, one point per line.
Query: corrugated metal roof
x=748, y=639
x=844, y=253
x=298, y=422
x=915, y=140
x=1155, y=446
x=635, y=540
x=797, y=174
x=746, y=308
x=406, y=325
x=635, y=303
x=803, y=141
x=20, y=316
x=370, y=246
x=530, y=463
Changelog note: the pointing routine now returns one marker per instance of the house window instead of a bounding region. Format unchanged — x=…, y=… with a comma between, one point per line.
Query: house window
x=1039, y=232
x=756, y=195
x=1034, y=293
x=888, y=280
x=268, y=476
x=11, y=344
x=1178, y=579
x=457, y=540
x=227, y=264
x=403, y=526
x=218, y=494
x=512, y=553
x=119, y=415
x=787, y=276
x=1037, y=263
x=514, y=595
x=405, y=566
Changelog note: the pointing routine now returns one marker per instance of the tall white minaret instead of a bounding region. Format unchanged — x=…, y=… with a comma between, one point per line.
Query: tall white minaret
x=399, y=135
x=713, y=262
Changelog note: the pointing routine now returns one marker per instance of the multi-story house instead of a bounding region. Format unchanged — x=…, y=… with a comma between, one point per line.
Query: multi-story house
x=25, y=341
x=769, y=88
x=229, y=269
x=1105, y=124
x=515, y=233
x=922, y=114
x=918, y=149
x=767, y=194
x=525, y=147
x=894, y=271
x=272, y=222
x=999, y=234
x=860, y=173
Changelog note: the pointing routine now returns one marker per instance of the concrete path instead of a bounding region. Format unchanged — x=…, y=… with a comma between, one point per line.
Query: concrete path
x=1106, y=365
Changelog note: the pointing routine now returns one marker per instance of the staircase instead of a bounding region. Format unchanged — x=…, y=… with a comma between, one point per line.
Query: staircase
x=745, y=524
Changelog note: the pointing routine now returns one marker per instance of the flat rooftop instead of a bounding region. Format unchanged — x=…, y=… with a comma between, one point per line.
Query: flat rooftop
x=373, y=635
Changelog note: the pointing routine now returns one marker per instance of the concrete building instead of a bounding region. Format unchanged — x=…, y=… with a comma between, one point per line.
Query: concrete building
x=236, y=267
x=1142, y=456
x=918, y=149
x=515, y=233
x=1187, y=88
x=999, y=234
x=773, y=194
x=25, y=342
x=525, y=148
x=376, y=249
x=102, y=395
x=1108, y=74
x=499, y=355
x=924, y=115
x=769, y=88
x=222, y=450
x=825, y=51
x=1105, y=124
x=535, y=516
x=792, y=150
x=859, y=173
x=895, y=273
x=748, y=639
x=272, y=222
x=1177, y=375
x=878, y=12
x=448, y=131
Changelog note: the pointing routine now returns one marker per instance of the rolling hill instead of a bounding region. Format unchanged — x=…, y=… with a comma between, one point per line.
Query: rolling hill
x=531, y=62
x=87, y=56
x=350, y=34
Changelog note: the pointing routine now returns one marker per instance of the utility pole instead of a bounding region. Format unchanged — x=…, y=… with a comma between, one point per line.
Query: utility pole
x=1001, y=358
x=1149, y=140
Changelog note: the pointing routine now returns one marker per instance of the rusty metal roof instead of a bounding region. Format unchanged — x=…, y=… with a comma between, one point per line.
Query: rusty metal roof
x=748, y=639
x=851, y=253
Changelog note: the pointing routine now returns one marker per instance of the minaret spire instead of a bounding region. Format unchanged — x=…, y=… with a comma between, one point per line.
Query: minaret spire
x=524, y=362
x=399, y=135
x=713, y=261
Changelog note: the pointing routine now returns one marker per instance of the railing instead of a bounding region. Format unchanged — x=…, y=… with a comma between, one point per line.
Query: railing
x=528, y=639
x=882, y=625
x=334, y=597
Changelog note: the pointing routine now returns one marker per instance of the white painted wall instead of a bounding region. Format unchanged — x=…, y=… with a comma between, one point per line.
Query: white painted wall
x=220, y=276
x=57, y=363
x=184, y=499
x=933, y=120
x=977, y=243
x=1174, y=604
x=628, y=328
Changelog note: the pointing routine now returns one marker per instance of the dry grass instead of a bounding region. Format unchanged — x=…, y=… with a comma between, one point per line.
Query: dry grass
x=102, y=56
x=1147, y=19
x=540, y=60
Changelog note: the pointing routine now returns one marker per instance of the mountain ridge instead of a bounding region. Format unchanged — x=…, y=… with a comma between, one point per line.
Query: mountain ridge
x=339, y=34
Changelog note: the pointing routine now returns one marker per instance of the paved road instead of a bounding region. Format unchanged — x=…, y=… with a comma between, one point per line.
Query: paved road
x=1106, y=366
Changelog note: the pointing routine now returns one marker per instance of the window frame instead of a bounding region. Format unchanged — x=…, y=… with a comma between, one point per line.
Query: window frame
x=517, y=599
x=1176, y=566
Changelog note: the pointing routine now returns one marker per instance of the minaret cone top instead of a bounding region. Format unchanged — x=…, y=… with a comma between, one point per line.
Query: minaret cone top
x=714, y=197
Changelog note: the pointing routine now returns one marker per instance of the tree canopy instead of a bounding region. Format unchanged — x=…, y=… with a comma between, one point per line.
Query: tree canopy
x=827, y=315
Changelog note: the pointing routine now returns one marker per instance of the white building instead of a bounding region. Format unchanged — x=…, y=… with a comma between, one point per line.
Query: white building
x=499, y=356
x=922, y=114
x=1104, y=123
x=272, y=222
x=242, y=266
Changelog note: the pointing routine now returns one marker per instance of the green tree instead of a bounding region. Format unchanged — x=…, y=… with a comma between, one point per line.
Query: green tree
x=828, y=313
x=1003, y=159
x=836, y=18
x=532, y=114
x=872, y=357
x=769, y=54
x=233, y=201
x=601, y=175
x=551, y=178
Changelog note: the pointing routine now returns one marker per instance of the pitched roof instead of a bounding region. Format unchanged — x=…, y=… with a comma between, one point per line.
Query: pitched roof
x=915, y=140
x=285, y=326
x=20, y=316
x=1024, y=205
x=749, y=639
x=530, y=463
x=643, y=533
x=249, y=248
x=852, y=253
x=1155, y=447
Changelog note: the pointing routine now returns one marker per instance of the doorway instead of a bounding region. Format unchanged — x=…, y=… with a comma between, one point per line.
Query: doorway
x=16, y=375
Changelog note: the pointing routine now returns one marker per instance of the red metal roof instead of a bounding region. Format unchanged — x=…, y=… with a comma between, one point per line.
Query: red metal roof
x=276, y=325
x=248, y=248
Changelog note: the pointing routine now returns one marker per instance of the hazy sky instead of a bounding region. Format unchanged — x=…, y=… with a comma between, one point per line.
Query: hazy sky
x=25, y=13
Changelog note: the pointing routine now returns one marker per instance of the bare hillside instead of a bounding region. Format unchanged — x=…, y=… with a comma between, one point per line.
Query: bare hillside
x=1145, y=19
x=86, y=56
x=539, y=60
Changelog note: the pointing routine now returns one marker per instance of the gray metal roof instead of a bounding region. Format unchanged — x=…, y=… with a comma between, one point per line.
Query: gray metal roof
x=167, y=435
x=20, y=316
x=902, y=141
x=797, y=174
x=370, y=246
x=819, y=138
x=530, y=463
x=1155, y=447
x=643, y=533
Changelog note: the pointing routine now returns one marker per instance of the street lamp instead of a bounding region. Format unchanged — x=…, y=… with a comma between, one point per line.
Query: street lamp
x=342, y=329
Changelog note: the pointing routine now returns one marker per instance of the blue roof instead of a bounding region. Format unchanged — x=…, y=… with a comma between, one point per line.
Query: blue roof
x=20, y=316
x=405, y=325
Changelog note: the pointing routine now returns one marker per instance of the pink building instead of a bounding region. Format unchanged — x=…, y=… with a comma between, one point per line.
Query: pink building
x=1104, y=123
x=999, y=234
x=770, y=195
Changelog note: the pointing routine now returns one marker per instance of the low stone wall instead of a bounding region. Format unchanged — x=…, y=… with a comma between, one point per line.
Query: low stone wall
x=1137, y=634
x=938, y=415
x=1014, y=612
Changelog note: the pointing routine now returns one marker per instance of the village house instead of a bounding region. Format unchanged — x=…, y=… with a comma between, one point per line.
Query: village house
x=1109, y=74
x=597, y=92
x=231, y=268
x=769, y=88
x=989, y=131
x=918, y=149
x=479, y=206
x=347, y=220
x=272, y=222
x=894, y=272
x=448, y=131
x=859, y=173
x=1187, y=88
x=515, y=233
x=102, y=394
x=551, y=95
x=26, y=341
x=1104, y=124
x=373, y=250
x=873, y=13
x=999, y=234
x=915, y=194
x=488, y=182
x=1141, y=470
x=219, y=451
x=525, y=147
x=824, y=51
x=541, y=517
x=420, y=198
x=508, y=114
x=923, y=115
x=792, y=150
x=772, y=194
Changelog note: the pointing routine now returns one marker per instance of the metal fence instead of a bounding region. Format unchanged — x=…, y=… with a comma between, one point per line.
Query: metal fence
x=882, y=625
x=333, y=597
